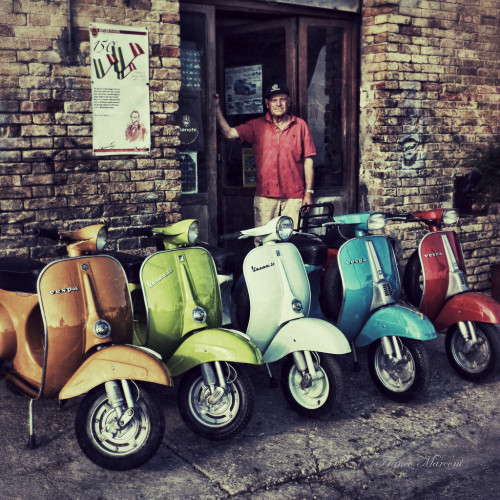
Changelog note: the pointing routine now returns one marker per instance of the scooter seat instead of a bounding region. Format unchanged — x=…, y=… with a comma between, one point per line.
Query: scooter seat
x=312, y=251
x=223, y=258
x=131, y=265
x=20, y=275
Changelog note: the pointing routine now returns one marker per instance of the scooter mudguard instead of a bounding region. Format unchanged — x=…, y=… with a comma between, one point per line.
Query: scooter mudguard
x=468, y=306
x=437, y=267
x=306, y=334
x=396, y=320
x=115, y=363
x=213, y=344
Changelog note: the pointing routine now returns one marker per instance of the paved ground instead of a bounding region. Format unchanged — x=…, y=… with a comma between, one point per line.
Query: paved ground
x=446, y=445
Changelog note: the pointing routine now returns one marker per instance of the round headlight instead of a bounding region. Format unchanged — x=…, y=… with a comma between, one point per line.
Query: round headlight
x=297, y=305
x=101, y=238
x=376, y=221
x=193, y=232
x=102, y=329
x=450, y=216
x=284, y=228
x=199, y=315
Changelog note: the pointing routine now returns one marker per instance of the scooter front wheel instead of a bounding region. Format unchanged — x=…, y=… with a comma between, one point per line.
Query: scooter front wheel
x=475, y=362
x=216, y=417
x=319, y=397
x=114, y=446
x=404, y=379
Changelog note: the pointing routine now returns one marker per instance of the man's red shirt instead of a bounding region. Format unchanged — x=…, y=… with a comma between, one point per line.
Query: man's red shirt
x=279, y=155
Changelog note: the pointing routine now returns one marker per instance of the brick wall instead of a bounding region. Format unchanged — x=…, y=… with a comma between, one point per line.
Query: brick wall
x=48, y=175
x=430, y=97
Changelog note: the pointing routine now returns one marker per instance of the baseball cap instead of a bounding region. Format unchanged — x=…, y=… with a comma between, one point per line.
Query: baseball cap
x=276, y=88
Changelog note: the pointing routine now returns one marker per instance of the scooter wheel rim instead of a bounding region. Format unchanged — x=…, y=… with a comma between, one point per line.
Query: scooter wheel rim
x=313, y=397
x=475, y=361
x=217, y=415
x=399, y=378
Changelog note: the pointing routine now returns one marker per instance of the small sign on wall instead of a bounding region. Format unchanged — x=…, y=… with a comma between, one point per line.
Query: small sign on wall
x=244, y=90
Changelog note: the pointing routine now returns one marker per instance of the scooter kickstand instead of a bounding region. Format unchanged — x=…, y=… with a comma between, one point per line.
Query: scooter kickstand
x=272, y=380
x=32, y=438
x=356, y=366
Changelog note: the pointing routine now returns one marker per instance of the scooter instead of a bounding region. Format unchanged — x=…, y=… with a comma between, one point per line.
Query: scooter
x=363, y=289
x=435, y=281
x=275, y=283
x=177, y=308
x=64, y=329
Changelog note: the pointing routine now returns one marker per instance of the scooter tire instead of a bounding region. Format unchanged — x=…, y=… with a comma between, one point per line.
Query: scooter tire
x=309, y=407
x=386, y=381
x=465, y=364
x=333, y=292
x=413, y=279
x=128, y=449
x=225, y=419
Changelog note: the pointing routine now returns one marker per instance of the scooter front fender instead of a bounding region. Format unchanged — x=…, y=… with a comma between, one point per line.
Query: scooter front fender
x=468, y=306
x=115, y=363
x=213, y=344
x=396, y=320
x=306, y=334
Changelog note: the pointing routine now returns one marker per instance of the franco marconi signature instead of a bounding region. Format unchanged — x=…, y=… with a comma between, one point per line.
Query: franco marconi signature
x=430, y=461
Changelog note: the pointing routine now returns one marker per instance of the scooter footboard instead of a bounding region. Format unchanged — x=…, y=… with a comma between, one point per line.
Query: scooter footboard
x=213, y=344
x=115, y=363
x=306, y=334
x=396, y=320
x=469, y=306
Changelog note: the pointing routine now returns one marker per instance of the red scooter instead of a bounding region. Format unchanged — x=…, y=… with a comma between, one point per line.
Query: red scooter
x=435, y=281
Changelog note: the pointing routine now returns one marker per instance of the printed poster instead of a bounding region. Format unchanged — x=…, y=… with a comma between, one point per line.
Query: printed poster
x=244, y=90
x=188, y=162
x=249, y=172
x=119, y=58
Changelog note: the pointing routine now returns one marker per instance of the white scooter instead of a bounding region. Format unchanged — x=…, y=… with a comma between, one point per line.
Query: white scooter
x=278, y=290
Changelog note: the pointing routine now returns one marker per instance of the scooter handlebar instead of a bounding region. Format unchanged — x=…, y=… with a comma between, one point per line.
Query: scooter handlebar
x=140, y=231
x=231, y=236
x=43, y=232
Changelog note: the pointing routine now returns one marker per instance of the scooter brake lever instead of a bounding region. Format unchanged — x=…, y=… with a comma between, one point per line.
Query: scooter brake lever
x=140, y=231
x=42, y=232
x=232, y=236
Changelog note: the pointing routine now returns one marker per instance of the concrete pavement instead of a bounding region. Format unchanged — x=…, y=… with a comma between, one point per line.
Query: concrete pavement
x=442, y=446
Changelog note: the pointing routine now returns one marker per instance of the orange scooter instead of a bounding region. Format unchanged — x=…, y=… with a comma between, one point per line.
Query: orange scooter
x=64, y=329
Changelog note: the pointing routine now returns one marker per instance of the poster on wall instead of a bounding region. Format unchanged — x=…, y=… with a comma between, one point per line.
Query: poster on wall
x=188, y=163
x=249, y=172
x=119, y=57
x=244, y=90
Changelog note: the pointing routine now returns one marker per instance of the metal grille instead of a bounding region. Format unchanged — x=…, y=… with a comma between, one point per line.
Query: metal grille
x=387, y=289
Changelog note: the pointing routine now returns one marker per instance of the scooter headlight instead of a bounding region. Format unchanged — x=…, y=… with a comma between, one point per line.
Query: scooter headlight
x=297, y=305
x=193, y=232
x=376, y=221
x=199, y=315
x=101, y=239
x=102, y=329
x=284, y=228
x=450, y=216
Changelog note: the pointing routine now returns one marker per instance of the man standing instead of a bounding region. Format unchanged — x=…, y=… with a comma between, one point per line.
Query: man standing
x=283, y=149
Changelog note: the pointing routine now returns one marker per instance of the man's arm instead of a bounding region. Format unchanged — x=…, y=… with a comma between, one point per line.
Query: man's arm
x=228, y=132
x=309, y=179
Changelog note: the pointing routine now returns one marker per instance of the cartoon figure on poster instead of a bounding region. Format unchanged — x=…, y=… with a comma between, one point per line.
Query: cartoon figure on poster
x=244, y=90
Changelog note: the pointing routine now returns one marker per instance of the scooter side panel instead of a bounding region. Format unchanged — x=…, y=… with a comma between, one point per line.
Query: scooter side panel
x=436, y=270
x=74, y=294
x=306, y=334
x=214, y=344
x=358, y=277
x=396, y=320
x=116, y=363
x=275, y=275
x=468, y=306
x=173, y=283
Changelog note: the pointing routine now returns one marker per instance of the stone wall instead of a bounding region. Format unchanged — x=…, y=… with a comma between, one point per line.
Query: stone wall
x=48, y=175
x=430, y=97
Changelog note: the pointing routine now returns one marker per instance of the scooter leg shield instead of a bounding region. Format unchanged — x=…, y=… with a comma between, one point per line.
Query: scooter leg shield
x=306, y=334
x=115, y=363
x=396, y=320
x=213, y=344
x=469, y=306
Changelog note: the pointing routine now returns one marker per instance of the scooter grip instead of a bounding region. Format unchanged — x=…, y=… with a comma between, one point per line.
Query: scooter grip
x=42, y=232
x=140, y=231
x=230, y=236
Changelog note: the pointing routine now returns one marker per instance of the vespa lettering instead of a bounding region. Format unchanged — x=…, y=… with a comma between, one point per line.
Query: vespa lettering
x=357, y=261
x=65, y=290
x=437, y=254
x=254, y=269
x=157, y=280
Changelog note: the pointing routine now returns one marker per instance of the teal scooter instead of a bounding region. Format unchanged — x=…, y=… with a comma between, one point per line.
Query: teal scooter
x=362, y=288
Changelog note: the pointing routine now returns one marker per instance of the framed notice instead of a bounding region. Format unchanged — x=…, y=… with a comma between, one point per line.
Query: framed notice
x=249, y=172
x=244, y=90
x=188, y=163
x=119, y=57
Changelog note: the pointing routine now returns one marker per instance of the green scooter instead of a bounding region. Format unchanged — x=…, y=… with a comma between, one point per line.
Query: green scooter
x=178, y=313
